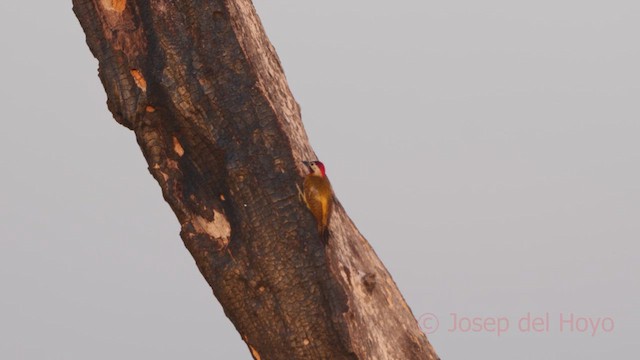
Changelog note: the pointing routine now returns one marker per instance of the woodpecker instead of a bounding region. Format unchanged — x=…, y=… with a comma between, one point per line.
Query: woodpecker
x=318, y=196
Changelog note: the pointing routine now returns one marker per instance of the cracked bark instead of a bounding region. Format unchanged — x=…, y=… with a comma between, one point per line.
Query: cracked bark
x=203, y=90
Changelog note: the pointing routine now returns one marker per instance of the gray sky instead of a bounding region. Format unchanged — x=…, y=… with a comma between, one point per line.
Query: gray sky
x=489, y=151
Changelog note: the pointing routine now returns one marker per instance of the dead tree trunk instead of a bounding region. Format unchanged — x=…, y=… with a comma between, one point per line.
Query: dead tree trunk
x=203, y=90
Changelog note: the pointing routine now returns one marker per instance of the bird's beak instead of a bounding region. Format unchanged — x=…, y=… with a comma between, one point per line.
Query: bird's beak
x=307, y=163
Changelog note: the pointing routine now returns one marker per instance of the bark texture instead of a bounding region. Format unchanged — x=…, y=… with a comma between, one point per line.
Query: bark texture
x=203, y=90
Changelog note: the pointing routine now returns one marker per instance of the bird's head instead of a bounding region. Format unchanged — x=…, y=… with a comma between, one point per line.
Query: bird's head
x=316, y=167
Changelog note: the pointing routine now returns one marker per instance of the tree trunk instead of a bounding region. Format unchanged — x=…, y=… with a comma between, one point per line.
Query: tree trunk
x=203, y=90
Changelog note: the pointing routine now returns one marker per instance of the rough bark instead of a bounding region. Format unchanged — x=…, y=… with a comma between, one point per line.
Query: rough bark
x=203, y=90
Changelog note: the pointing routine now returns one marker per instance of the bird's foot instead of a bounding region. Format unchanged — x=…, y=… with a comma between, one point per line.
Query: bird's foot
x=300, y=194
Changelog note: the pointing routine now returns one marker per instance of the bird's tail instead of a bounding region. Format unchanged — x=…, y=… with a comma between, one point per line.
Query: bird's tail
x=324, y=235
